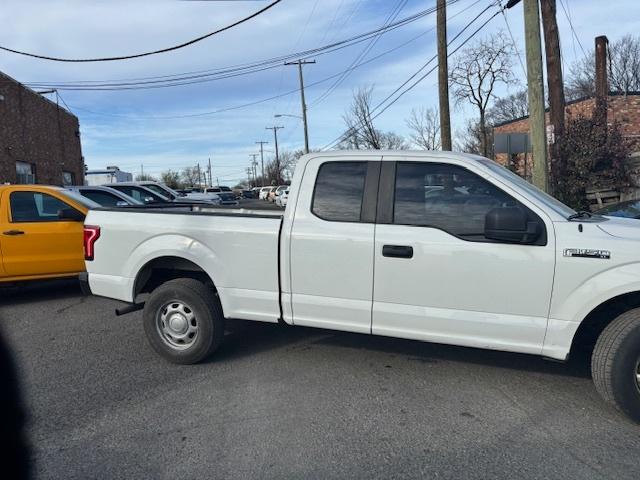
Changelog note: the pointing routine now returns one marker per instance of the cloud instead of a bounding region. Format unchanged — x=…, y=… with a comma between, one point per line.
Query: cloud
x=76, y=28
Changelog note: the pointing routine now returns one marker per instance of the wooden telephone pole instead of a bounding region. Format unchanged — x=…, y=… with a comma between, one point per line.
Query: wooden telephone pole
x=536, y=93
x=302, y=100
x=555, y=86
x=443, y=76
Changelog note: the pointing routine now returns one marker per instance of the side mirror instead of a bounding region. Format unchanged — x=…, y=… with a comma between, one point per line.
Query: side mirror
x=511, y=224
x=149, y=200
x=71, y=214
x=121, y=203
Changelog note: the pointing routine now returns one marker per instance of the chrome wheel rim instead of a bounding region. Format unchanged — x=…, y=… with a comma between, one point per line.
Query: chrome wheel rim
x=638, y=374
x=177, y=325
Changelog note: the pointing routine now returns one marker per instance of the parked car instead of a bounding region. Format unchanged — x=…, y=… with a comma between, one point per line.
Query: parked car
x=247, y=194
x=278, y=191
x=41, y=232
x=282, y=198
x=271, y=196
x=105, y=196
x=264, y=192
x=628, y=209
x=139, y=193
x=490, y=262
x=149, y=194
x=227, y=197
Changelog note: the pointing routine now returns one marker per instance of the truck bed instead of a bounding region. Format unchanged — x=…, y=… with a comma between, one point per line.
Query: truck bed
x=236, y=247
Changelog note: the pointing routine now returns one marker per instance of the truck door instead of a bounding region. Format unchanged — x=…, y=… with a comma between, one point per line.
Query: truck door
x=35, y=241
x=331, y=244
x=437, y=277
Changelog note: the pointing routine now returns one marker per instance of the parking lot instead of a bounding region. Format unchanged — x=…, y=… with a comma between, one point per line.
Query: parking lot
x=282, y=402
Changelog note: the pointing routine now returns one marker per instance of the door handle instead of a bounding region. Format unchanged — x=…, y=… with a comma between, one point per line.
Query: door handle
x=13, y=232
x=397, y=251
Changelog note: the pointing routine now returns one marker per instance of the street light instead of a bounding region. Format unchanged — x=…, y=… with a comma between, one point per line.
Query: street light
x=304, y=124
x=278, y=115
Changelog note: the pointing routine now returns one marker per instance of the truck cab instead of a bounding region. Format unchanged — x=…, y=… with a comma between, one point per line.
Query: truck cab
x=40, y=232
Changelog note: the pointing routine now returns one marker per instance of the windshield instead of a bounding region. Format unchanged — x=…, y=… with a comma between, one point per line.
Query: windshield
x=165, y=191
x=544, y=198
x=80, y=199
x=630, y=209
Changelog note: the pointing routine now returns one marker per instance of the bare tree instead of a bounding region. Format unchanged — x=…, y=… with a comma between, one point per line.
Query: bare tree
x=170, y=178
x=509, y=108
x=425, y=128
x=623, y=70
x=145, y=177
x=477, y=70
x=361, y=133
x=190, y=176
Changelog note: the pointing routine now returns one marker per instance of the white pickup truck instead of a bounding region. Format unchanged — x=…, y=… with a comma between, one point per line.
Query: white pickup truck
x=439, y=247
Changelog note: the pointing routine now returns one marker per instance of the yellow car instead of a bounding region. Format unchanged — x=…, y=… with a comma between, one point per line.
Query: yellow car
x=41, y=232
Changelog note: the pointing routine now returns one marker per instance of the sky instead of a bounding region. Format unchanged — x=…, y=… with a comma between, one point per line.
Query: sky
x=130, y=128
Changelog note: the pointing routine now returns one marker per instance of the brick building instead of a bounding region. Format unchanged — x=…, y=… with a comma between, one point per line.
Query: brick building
x=623, y=109
x=39, y=140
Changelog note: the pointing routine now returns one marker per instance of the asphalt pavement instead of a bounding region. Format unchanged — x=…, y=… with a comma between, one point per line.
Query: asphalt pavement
x=283, y=402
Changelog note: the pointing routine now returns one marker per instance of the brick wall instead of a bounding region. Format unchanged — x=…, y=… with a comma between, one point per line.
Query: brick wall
x=623, y=109
x=35, y=130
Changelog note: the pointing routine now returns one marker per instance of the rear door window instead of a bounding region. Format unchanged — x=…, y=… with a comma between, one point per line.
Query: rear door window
x=339, y=190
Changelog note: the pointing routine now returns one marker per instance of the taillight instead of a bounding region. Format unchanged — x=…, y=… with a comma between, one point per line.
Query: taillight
x=91, y=234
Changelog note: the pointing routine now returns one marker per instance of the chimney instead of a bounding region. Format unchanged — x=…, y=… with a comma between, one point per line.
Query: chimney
x=602, y=82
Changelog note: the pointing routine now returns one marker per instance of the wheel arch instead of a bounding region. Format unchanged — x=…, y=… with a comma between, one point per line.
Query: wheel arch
x=160, y=270
x=599, y=317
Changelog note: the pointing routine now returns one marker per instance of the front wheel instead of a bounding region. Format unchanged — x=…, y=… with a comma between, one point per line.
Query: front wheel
x=183, y=321
x=615, y=364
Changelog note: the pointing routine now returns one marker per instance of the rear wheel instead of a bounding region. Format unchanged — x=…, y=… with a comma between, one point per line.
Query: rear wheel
x=615, y=363
x=183, y=321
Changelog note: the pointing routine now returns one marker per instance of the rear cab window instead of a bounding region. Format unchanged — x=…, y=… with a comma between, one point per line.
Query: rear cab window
x=339, y=190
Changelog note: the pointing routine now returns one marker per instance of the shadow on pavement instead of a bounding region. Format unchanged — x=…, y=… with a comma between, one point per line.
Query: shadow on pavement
x=255, y=337
x=38, y=291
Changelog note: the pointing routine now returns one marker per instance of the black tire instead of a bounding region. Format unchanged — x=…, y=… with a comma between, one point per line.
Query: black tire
x=614, y=364
x=196, y=299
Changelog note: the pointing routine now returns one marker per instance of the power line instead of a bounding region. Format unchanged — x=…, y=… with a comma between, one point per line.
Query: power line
x=257, y=102
x=225, y=72
x=145, y=54
x=394, y=13
x=412, y=86
x=513, y=40
x=575, y=35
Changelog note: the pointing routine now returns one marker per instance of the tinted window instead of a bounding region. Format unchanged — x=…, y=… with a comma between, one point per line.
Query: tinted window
x=338, y=192
x=138, y=193
x=103, y=198
x=447, y=197
x=159, y=191
x=35, y=207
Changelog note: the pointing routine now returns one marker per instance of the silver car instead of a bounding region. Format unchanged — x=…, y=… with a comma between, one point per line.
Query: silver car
x=105, y=196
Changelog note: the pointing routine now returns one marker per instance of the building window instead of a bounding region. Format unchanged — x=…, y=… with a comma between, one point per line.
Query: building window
x=25, y=173
x=68, y=178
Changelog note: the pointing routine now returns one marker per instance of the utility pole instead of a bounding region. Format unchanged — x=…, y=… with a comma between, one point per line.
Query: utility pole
x=555, y=86
x=304, y=105
x=210, y=183
x=535, y=93
x=443, y=76
x=253, y=167
x=275, y=138
x=262, y=159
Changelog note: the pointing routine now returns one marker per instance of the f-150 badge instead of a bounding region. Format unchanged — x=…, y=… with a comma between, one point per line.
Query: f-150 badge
x=587, y=253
